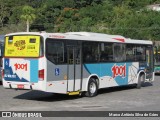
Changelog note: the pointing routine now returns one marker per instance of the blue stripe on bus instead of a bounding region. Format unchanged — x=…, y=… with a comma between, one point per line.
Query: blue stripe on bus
x=34, y=71
x=105, y=69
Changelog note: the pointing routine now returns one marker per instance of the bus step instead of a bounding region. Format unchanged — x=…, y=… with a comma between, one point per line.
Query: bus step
x=74, y=93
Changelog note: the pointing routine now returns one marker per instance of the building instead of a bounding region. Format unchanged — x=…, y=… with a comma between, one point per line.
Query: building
x=155, y=7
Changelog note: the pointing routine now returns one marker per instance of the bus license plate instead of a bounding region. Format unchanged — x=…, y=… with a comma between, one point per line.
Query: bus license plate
x=20, y=86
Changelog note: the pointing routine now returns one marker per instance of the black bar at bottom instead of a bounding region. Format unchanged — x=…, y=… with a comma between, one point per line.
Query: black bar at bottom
x=79, y=113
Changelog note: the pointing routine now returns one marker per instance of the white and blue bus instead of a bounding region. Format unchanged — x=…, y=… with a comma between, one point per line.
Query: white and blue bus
x=75, y=62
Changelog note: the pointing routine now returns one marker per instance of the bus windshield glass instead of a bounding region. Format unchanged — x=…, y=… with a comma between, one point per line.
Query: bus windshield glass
x=22, y=46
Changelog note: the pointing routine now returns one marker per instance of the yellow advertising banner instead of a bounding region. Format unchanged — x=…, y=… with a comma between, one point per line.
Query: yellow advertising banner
x=22, y=46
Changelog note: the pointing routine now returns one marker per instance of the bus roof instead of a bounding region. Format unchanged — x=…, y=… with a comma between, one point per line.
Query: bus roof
x=89, y=36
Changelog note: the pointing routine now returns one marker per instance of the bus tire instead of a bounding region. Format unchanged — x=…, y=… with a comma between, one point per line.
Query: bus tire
x=92, y=88
x=141, y=80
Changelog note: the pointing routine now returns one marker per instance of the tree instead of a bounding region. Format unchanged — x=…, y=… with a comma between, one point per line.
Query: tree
x=28, y=15
x=4, y=12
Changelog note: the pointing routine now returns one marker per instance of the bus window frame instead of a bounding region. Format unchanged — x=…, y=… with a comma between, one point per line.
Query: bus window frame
x=98, y=44
x=64, y=50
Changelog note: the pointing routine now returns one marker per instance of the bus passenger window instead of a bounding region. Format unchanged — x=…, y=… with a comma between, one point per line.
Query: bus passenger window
x=55, y=51
x=106, y=52
x=90, y=52
x=130, y=56
x=119, y=52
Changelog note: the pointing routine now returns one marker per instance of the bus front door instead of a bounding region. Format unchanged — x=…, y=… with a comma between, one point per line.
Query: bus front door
x=149, y=60
x=74, y=68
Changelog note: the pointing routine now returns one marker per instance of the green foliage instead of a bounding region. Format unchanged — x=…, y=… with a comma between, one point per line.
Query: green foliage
x=128, y=18
x=28, y=15
x=4, y=12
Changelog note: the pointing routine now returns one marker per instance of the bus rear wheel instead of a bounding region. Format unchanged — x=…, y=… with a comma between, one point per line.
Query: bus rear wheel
x=141, y=81
x=92, y=88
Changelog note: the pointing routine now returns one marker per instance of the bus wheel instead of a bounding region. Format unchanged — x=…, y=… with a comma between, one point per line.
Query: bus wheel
x=141, y=80
x=92, y=88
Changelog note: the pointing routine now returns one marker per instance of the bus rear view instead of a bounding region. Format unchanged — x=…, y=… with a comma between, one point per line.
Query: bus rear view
x=20, y=64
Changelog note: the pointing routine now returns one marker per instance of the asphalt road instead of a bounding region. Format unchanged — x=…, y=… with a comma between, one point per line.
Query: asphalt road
x=126, y=98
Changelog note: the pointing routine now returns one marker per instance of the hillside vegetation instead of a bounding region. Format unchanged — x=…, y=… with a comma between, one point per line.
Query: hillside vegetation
x=129, y=18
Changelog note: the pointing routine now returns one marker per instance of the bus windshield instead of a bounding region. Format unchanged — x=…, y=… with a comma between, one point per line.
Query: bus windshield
x=22, y=46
